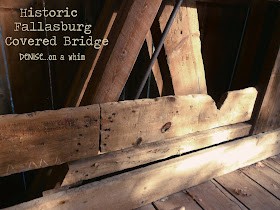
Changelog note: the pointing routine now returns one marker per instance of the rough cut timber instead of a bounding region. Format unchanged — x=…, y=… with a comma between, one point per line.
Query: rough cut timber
x=101, y=30
x=183, y=49
x=131, y=123
x=142, y=186
x=134, y=156
x=156, y=68
x=127, y=36
x=41, y=139
x=48, y=138
x=267, y=107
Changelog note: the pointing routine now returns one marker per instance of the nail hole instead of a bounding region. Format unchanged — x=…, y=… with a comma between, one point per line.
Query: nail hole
x=166, y=127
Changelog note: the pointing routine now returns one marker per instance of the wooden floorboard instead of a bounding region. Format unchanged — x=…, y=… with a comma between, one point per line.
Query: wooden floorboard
x=180, y=200
x=147, y=207
x=210, y=195
x=272, y=164
x=248, y=191
x=264, y=176
x=254, y=187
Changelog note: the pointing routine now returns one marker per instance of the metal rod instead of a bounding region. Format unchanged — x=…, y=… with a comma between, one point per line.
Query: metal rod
x=240, y=45
x=158, y=49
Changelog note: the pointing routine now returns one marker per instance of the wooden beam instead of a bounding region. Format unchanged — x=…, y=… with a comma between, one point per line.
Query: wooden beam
x=131, y=123
x=86, y=68
x=131, y=157
x=126, y=38
x=74, y=133
x=266, y=113
x=42, y=139
x=183, y=49
x=156, y=68
x=142, y=186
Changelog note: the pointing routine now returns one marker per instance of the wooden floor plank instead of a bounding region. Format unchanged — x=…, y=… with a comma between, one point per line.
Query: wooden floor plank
x=248, y=192
x=275, y=166
x=209, y=196
x=178, y=201
x=147, y=207
x=276, y=158
x=265, y=177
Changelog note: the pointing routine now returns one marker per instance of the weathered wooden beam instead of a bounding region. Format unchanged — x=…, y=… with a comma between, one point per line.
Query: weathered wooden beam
x=86, y=68
x=41, y=139
x=126, y=38
x=156, y=68
x=142, y=186
x=131, y=123
x=131, y=157
x=266, y=113
x=183, y=49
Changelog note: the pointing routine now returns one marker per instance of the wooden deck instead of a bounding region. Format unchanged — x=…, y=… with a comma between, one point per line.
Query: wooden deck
x=253, y=187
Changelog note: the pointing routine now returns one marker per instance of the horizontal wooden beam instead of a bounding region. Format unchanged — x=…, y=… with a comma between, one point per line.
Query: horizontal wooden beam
x=41, y=139
x=135, y=156
x=131, y=123
x=142, y=186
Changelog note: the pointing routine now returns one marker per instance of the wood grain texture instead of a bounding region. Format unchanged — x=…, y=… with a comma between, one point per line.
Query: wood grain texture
x=142, y=186
x=177, y=201
x=272, y=164
x=126, y=39
x=264, y=176
x=248, y=192
x=156, y=67
x=269, y=117
x=86, y=68
x=128, y=158
x=266, y=113
x=131, y=123
x=183, y=49
x=29, y=80
x=41, y=139
x=209, y=196
x=147, y=207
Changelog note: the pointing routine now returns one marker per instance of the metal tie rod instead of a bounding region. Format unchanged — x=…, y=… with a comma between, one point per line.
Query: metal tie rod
x=158, y=49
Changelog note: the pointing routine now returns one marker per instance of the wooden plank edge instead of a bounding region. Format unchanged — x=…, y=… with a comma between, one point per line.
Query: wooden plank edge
x=131, y=157
x=142, y=186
